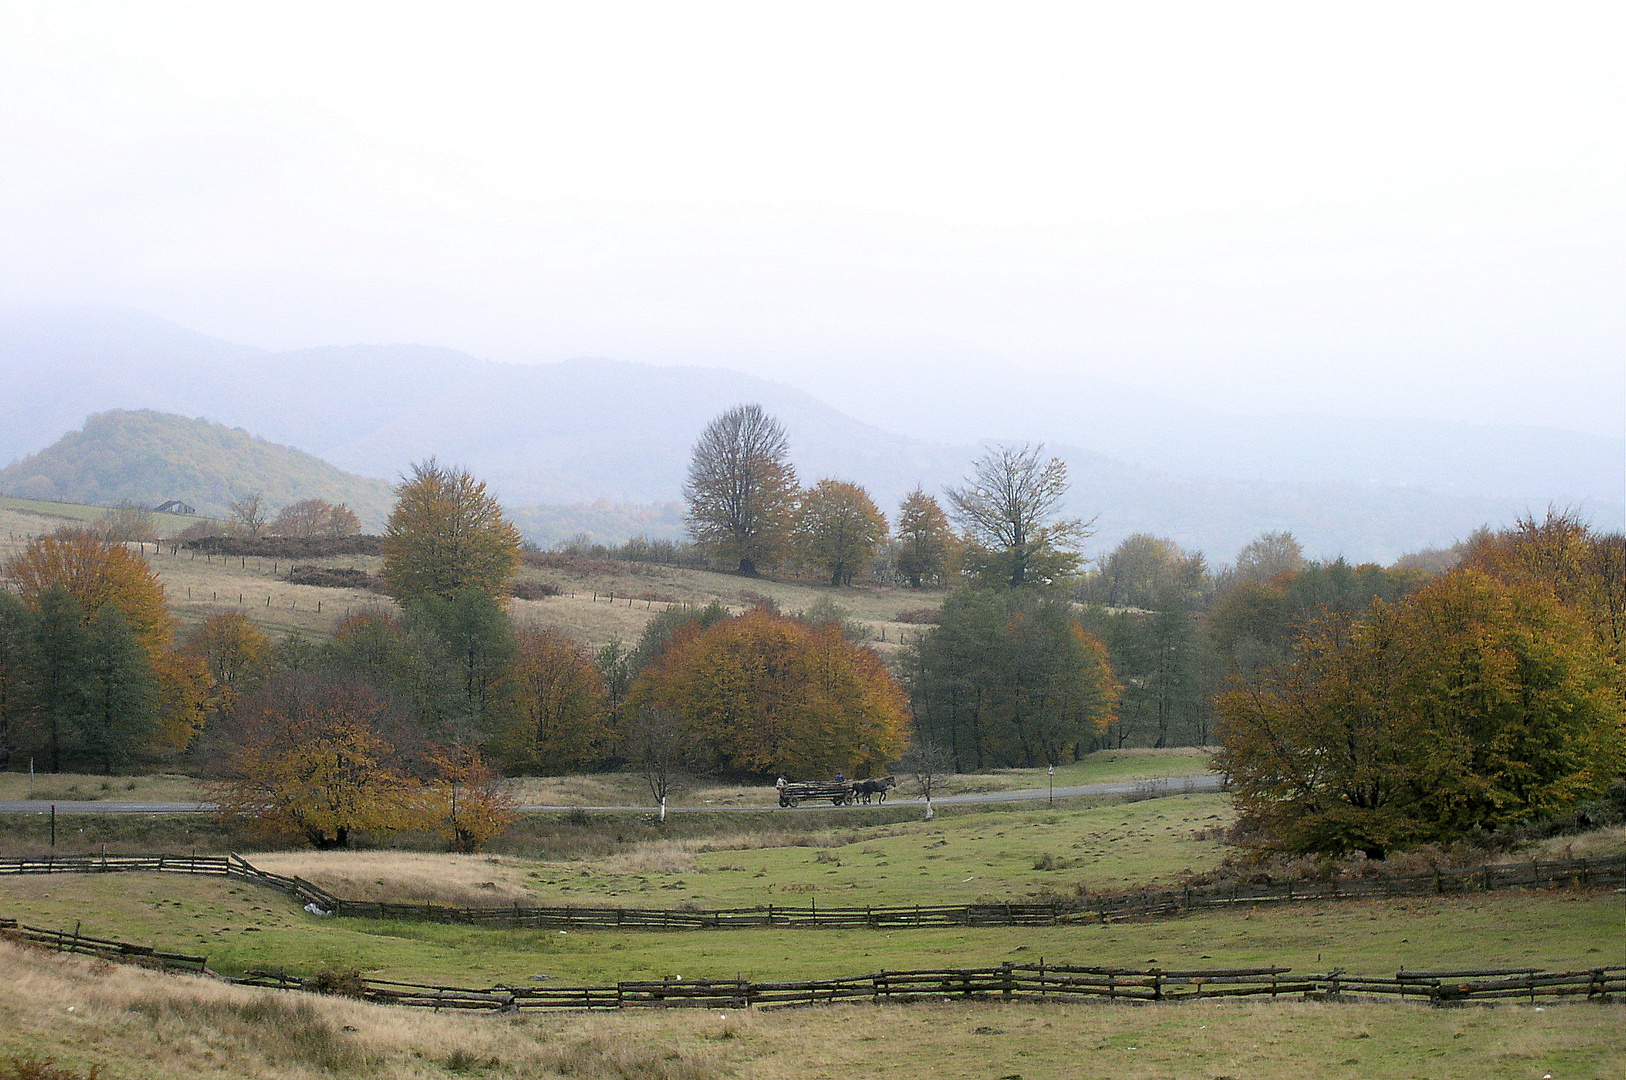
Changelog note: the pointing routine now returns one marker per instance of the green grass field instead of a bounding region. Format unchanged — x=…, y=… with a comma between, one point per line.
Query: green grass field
x=718, y=857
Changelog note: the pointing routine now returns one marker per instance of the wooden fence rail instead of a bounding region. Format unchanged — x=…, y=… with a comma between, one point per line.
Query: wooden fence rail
x=1042, y=982
x=76, y=942
x=1147, y=904
x=1006, y=982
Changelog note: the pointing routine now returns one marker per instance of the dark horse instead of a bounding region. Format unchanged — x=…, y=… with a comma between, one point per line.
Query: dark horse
x=867, y=788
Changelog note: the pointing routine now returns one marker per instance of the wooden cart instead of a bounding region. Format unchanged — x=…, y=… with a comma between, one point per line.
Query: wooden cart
x=839, y=792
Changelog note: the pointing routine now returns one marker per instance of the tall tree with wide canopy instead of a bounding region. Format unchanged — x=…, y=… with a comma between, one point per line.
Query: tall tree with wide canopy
x=446, y=534
x=1469, y=704
x=1008, y=508
x=741, y=491
x=838, y=528
x=764, y=694
x=1008, y=678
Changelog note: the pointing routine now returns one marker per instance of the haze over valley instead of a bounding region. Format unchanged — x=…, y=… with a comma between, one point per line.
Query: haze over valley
x=582, y=431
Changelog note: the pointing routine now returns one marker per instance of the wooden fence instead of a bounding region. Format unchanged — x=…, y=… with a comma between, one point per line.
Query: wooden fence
x=1008, y=982
x=1146, y=904
x=123, y=951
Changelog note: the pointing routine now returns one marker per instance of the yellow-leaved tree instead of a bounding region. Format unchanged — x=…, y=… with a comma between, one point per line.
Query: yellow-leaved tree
x=311, y=762
x=447, y=534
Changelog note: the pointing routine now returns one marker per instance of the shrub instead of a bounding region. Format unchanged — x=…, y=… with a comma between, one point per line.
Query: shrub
x=334, y=577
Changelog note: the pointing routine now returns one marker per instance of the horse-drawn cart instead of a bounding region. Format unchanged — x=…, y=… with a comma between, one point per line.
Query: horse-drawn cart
x=839, y=792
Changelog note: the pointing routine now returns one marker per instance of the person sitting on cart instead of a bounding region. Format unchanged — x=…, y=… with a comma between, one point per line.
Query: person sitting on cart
x=840, y=779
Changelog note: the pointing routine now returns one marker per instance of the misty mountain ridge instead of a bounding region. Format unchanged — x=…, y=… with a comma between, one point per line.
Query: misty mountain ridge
x=589, y=429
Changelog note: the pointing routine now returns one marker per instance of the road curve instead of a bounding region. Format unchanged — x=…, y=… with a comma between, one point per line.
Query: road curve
x=1168, y=785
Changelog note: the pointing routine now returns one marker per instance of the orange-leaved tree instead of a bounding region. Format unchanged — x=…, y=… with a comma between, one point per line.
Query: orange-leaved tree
x=1585, y=570
x=238, y=655
x=312, y=762
x=464, y=800
x=763, y=694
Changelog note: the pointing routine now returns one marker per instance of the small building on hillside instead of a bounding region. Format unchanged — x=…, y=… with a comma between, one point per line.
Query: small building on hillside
x=176, y=506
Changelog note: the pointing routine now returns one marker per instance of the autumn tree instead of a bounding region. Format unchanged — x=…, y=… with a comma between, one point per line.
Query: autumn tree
x=1468, y=705
x=1008, y=508
x=312, y=762
x=838, y=528
x=741, y=491
x=1269, y=554
x=127, y=522
x=1009, y=678
x=1584, y=570
x=763, y=694
x=238, y=655
x=464, y=799
x=314, y=517
x=98, y=572
x=562, y=707
x=925, y=544
x=248, y=514
x=446, y=534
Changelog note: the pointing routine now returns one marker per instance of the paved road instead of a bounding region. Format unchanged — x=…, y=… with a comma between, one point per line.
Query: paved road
x=1172, y=785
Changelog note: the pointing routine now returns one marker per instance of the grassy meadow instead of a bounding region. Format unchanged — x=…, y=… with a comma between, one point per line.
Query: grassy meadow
x=139, y=1024
x=82, y=1013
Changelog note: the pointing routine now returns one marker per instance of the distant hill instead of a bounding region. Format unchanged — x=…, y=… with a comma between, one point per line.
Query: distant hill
x=148, y=458
x=567, y=435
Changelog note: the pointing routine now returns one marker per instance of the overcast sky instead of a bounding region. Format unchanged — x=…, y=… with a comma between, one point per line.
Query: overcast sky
x=1409, y=209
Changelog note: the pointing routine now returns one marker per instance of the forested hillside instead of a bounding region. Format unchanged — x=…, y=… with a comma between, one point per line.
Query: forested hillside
x=148, y=458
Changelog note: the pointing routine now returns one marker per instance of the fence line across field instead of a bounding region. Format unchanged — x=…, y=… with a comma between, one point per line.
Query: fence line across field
x=1146, y=904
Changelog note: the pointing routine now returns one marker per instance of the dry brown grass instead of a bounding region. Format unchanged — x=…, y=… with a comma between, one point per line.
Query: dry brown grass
x=1598, y=844
x=136, y=1024
x=406, y=877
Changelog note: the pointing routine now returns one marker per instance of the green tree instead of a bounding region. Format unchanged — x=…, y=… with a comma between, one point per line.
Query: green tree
x=447, y=534
x=1008, y=508
x=741, y=491
x=121, y=698
x=1470, y=704
x=925, y=544
x=19, y=665
x=477, y=648
x=838, y=528
x=62, y=682
x=1009, y=678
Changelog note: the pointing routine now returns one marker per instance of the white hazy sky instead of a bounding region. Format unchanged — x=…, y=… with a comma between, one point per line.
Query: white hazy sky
x=1365, y=208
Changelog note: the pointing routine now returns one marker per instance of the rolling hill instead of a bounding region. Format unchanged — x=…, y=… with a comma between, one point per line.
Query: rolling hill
x=148, y=458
